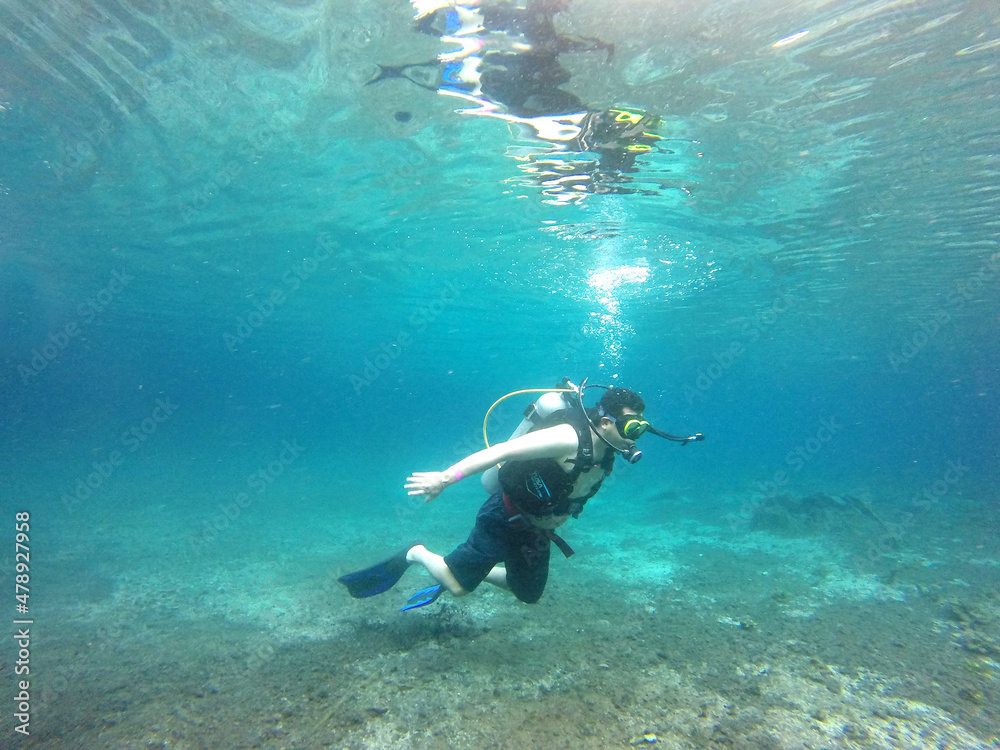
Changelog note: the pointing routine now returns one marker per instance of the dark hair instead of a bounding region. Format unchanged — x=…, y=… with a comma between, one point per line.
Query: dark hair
x=616, y=400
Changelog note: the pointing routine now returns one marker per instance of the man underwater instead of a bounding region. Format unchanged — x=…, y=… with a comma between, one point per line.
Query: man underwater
x=546, y=476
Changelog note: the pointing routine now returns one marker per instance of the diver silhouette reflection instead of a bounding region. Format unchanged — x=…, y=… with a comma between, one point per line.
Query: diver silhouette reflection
x=501, y=59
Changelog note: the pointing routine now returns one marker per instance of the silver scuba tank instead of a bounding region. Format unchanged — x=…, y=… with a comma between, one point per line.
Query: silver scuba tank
x=543, y=406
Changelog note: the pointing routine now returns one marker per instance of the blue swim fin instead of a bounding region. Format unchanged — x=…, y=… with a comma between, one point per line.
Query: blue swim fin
x=423, y=598
x=378, y=578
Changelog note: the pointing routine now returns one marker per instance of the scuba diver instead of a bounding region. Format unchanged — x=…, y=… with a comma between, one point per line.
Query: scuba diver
x=506, y=48
x=502, y=61
x=553, y=463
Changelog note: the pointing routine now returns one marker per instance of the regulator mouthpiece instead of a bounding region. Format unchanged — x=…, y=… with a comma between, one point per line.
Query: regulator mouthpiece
x=632, y=455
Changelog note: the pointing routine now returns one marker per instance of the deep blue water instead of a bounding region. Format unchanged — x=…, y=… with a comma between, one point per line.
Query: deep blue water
x=216, y=242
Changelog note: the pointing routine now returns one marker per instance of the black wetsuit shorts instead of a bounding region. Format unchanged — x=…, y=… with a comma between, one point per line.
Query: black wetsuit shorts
x=522, y=548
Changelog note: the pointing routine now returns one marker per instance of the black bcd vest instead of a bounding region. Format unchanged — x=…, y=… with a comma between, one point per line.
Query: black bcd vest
x=540, y=486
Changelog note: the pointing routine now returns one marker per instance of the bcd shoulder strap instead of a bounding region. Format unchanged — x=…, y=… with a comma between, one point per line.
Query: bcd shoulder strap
x=584, y=460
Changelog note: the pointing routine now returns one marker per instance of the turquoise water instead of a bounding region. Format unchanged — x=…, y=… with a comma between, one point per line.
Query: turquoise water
x=243, y=295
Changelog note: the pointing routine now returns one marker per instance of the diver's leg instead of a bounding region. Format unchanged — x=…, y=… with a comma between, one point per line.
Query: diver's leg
x=475, y=560
x=437, y=567
x=528, y=565
x=498, y=577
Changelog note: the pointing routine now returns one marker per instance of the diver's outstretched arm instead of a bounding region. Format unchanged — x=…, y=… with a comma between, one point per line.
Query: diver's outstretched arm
x=551, y=442
x=584, y=44
x=425, y=74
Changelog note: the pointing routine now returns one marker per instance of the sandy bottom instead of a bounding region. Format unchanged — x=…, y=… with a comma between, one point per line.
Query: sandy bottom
x=794, y=623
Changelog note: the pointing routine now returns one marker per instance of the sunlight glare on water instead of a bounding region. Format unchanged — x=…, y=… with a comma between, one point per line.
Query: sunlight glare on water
x=609, y=287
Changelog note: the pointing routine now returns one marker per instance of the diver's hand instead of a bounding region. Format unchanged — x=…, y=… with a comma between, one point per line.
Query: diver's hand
x=429, y=483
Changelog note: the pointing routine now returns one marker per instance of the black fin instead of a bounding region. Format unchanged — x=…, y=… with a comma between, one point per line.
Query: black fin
x=378, y=578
